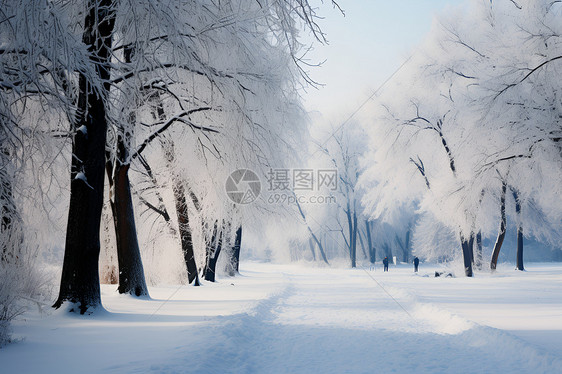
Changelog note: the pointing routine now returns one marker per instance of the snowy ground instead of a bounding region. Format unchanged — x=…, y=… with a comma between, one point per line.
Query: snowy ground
x=292, y=319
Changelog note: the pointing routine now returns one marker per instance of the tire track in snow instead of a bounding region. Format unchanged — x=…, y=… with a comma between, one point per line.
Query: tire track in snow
x=332, y=326
x=333, y=322
x=239, y=338
x=496, y=342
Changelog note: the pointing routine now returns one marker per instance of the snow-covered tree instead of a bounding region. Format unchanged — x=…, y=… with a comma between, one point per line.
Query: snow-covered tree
x=475, y=113
x=178, y=61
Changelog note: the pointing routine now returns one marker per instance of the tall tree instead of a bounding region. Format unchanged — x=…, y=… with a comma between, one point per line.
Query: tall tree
x=498, y=102
x=80, y=278
x=233, y=264
x=501, y=232
x=342, y=150
x=118, y=163
x=519, y=263
x=213, y=250
x=184, y=227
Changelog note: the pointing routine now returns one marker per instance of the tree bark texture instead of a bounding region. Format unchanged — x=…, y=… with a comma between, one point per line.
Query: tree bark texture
x=501, y=233
x=479, y=258
x=214, y=247
x=466, y=245
x=11, y=233
x=131, y=271
x=520, y=265
x=235, y=259
x=352, y=227
x=185, y=231
x=80, y=275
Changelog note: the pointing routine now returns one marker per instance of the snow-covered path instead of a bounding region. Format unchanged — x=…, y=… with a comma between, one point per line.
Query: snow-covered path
x=344, y=322
x=275, y=319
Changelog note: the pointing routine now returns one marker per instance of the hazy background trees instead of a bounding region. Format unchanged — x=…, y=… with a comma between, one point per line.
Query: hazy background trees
x=463, y=147
x=474, y=114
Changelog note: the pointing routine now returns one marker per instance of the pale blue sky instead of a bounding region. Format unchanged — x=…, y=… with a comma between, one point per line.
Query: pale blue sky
x=365, y=48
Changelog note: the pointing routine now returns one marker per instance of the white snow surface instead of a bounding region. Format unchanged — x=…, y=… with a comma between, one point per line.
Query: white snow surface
x=296, y=319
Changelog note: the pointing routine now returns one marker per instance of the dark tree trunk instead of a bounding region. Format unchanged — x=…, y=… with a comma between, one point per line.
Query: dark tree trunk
x=185, y=232
x=232, y=251
x=501, y=233
x=449, y=153
x=352, y=229
x=372, y=249
x=520, y=249
x=6, y=230
x=354, y=241
x=213, y=251
x=467, y=255
x=182, y=212
x=235, y=259
x=131, y=271
x=80, y=276
x=519, y=232
x=479, y=259
x=11, y=235
x=471, y=247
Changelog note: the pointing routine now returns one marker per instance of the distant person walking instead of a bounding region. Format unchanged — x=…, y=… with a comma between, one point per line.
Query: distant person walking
x=385, y=263
x=416, y=264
